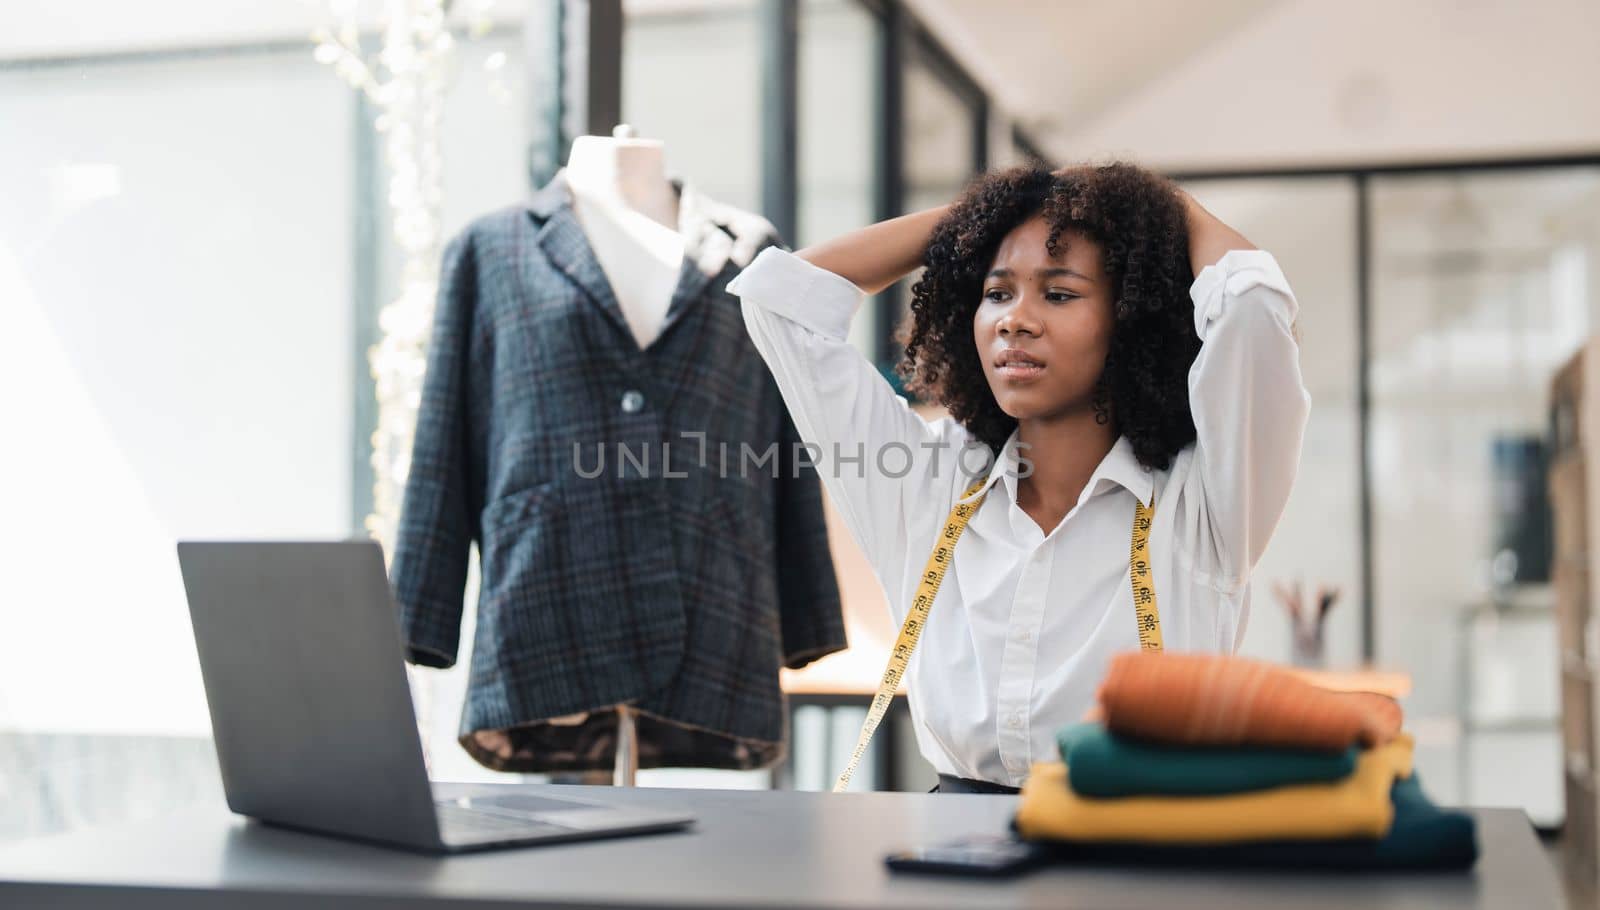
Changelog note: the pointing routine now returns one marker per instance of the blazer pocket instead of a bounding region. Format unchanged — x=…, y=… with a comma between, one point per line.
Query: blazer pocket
x=516, y=508
x=735, y=507
x=520, y=553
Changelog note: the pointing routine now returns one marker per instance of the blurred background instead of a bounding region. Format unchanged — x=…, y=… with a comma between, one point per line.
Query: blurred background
x=202, y=225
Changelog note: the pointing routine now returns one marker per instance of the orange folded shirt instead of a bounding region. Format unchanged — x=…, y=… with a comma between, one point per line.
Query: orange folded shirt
x=1212, y=700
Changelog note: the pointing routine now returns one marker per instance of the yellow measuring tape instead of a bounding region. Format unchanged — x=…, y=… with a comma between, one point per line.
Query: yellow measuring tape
x=1144, y=590
x=944, y=550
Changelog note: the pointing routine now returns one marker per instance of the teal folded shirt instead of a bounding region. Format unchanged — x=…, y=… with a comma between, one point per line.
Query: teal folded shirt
x=1423, y=836
x=1100, y=764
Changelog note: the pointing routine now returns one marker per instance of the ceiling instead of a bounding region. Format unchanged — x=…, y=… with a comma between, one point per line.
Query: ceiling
x=1056, y=64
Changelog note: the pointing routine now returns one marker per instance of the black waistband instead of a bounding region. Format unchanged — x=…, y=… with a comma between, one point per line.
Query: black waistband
x=949, y=784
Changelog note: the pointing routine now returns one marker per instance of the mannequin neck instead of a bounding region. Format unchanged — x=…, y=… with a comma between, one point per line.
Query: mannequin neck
x=628, y=174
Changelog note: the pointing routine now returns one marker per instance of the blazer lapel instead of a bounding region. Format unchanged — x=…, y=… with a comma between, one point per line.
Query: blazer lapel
x=564, y=242
x=568, y=249
x=710, y=232
x=691, y=284
x=707, y=248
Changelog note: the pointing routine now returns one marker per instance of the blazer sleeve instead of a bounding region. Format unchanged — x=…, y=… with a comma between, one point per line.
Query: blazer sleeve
x=443, y=490
x=809, y=608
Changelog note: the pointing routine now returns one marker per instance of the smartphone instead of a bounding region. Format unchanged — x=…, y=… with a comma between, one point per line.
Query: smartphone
x=992, y=855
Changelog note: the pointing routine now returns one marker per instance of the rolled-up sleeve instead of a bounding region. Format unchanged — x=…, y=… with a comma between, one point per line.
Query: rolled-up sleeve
x=876, y=456
x=1249, y=402
x=813, y=298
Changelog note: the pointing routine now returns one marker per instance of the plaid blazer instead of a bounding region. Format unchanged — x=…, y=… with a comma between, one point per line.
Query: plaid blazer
x=626, y=555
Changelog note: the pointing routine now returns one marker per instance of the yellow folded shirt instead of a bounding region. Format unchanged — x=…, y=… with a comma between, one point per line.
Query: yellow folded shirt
x=1357, y=807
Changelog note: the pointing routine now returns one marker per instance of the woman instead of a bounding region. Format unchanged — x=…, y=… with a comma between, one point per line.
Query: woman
x=1114, y=345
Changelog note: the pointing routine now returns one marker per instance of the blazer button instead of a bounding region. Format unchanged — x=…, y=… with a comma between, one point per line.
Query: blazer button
x=632, y=401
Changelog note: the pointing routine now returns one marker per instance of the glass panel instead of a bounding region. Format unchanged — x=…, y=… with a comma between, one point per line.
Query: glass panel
x=838, y=134
x=174, y=233
x=838, y=128
x=175, y=272
x=485, y=132
x=1309, y=227
x=691, y=77
x=938, y=157
x=939, y=127
x=1479, y=294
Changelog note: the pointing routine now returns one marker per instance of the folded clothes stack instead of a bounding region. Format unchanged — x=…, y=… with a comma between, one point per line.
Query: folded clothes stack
x=1215, y=760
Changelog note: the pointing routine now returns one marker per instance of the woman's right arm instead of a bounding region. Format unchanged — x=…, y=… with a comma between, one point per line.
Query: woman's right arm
x=882, y=464
x=878, y=255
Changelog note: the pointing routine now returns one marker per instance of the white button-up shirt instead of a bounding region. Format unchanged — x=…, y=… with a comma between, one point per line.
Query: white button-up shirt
x=1026, y=621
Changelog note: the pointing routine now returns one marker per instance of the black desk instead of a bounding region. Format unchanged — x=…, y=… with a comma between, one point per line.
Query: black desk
x=757, y=849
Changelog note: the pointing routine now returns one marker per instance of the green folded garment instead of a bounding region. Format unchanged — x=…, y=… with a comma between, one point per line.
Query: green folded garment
x=1423, y=836
x=1100, y=764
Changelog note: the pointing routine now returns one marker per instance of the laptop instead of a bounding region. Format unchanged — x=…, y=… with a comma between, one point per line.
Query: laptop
x=300, y=652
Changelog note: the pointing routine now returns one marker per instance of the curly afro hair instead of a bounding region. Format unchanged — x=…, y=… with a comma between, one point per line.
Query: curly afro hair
x=1138, y=220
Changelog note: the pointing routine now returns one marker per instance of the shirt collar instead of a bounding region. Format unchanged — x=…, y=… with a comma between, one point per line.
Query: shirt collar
x=1120, y=467
x=713, y=233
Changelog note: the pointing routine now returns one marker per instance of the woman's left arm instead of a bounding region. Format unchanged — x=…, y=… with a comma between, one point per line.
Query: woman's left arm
x=1209, y=238
x=1246, y=392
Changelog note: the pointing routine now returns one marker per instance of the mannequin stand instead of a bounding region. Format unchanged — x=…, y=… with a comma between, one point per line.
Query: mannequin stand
x=627, y=748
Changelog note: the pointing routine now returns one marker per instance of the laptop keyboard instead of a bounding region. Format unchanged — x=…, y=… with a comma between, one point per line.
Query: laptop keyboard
x=518, y=802
x=460, y=822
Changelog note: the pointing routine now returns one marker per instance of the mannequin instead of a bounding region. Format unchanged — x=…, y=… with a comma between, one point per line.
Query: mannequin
x=629, y=212
x=619, y=273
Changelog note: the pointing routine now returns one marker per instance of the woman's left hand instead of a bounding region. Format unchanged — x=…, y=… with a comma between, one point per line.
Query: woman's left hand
x=1209, y=237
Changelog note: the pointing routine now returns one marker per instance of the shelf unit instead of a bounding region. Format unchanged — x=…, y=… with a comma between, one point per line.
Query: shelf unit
x=1574, y=454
